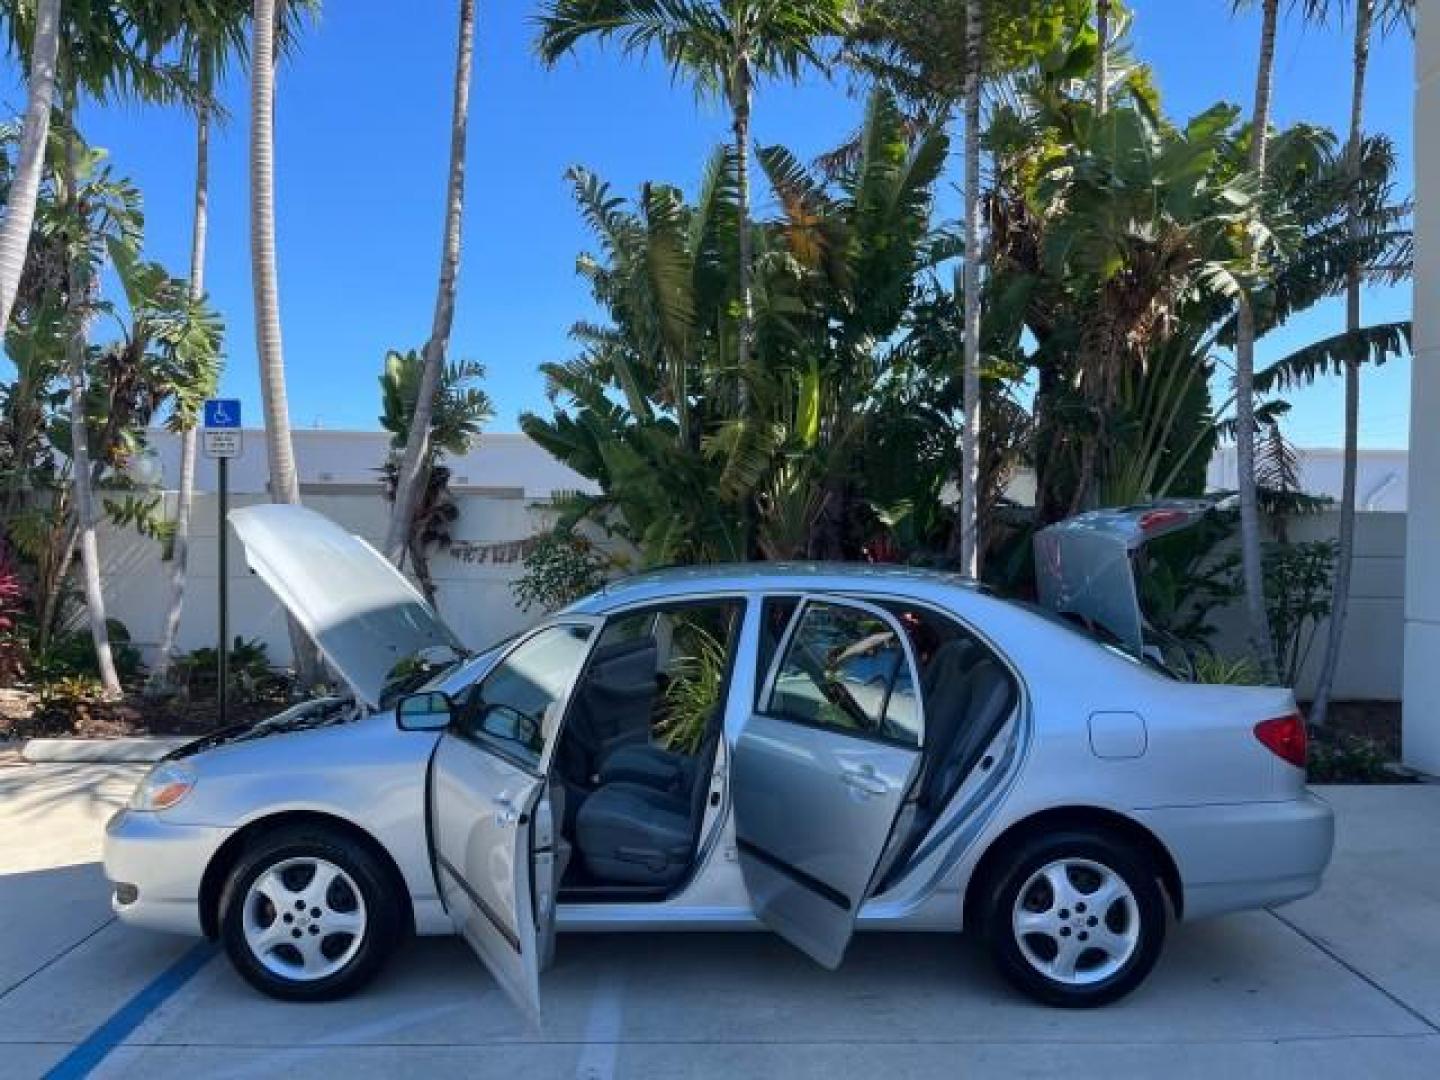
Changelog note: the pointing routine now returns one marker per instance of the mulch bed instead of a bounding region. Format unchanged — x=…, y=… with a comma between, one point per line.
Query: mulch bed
x=1359, y=744
x=22, y=716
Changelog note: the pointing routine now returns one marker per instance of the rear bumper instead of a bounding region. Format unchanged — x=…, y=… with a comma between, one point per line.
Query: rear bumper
x=1246, y=855
x=155, y=869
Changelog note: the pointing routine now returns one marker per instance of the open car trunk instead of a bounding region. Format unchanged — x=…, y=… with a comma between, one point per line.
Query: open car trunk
x=1087, y=567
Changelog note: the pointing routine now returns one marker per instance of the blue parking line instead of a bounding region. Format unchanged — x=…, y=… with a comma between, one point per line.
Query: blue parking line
x=82, y=1060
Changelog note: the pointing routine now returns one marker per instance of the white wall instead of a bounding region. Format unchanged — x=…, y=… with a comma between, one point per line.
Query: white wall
x=350, y=459
x=1370, y=665
x=1420, y=738
x=1382, y=476
x=474, y=599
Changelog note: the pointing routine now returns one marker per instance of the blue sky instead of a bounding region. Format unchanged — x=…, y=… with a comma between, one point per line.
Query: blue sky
x=362, y=137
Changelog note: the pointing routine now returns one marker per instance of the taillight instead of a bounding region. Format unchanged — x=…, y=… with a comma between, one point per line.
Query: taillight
x=1158, y=519
x=1284, y=736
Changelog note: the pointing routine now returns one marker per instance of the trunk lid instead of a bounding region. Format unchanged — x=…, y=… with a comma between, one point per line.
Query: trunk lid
x=1085, y=566
x=361, y=612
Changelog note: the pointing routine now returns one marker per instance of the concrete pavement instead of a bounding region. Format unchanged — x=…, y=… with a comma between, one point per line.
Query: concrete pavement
x=1345, y=983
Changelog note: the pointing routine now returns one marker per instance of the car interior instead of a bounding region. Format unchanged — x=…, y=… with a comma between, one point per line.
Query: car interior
x=637, y=752
x=638, y=748
x=967, y=695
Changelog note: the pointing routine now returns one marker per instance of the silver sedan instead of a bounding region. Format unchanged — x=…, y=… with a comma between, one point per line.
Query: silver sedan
x=812, y=749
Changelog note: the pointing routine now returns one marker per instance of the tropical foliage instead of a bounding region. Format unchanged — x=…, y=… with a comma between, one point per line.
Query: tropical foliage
x=458, y=412
x=1119, y=245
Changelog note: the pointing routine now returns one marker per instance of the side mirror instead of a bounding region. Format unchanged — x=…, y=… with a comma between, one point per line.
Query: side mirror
x=424, y=712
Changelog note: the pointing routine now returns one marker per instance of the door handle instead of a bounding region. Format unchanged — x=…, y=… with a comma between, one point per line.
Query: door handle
x=506, y=813
x=865, y=780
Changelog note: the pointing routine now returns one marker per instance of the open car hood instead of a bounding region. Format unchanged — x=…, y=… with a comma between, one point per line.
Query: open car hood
x=1085, y=565
x=361, y=612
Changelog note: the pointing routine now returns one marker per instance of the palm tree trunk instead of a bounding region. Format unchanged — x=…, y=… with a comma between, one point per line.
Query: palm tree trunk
x=411, y=477
x=180, y=545
x=1261, y=643
x=25, y=187
x=1102, y=55
x=1345, y=557
x=284, y=482
x=80, y=289
x=741, y=125
x=970, y=432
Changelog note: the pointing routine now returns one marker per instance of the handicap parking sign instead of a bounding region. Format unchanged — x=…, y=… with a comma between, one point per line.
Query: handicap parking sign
x=222, y=413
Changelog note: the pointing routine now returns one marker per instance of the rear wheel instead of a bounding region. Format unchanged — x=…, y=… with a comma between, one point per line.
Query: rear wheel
x=1075, y=919
x=308, y=915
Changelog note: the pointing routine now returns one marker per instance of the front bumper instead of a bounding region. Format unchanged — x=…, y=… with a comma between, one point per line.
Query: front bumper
x=156, y=868
x=1246, y=855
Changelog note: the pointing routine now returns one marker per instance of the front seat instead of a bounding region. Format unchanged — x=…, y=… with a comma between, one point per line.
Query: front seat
x=613, y=705
x=632, y=834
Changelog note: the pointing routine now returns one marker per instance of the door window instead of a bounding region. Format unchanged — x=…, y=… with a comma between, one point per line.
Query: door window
x=846, y=668
x=514, y=710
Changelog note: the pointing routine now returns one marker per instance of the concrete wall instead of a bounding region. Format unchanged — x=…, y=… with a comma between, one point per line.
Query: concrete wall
x=349, y=460
x=1382, y=476
x=1371, y=660
x=474, y=598
x=1421, y=736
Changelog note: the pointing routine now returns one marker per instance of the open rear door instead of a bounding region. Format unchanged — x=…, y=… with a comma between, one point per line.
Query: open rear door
x=820, y=772
x=490, y=818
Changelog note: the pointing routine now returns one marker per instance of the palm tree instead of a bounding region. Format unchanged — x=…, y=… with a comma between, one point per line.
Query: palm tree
x=935, y=52
x=1102, y=55
x=1261, y=643
x=724, y=47
x=410, y=480
x=1392, y=12
x=970, y=432
x=20, y=205
x=206, y=46
x=104, y=48
x=284, y=480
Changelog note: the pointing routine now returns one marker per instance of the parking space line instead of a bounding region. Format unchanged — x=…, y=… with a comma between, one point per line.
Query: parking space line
x=1333, y=955
x=54, y=959
x=602, y=1031
x=82, y=1060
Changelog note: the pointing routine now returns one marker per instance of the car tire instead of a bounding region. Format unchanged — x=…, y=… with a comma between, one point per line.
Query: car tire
x=1075, y=919
x=308, y=914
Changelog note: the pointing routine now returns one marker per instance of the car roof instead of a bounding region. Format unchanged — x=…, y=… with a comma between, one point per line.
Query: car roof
x=770, y=576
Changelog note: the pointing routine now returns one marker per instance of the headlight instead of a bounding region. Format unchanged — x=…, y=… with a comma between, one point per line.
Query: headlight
x=164, y=786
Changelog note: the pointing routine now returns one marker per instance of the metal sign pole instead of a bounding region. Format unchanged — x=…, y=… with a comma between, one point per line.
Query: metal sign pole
x=223, y=440
x=223, y=693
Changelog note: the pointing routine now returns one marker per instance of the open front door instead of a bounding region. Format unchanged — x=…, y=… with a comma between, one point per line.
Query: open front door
x=490, y=816
x=822, y=769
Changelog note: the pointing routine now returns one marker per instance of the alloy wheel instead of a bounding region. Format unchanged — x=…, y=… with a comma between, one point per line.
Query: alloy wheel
x=1076, y=921
x=304, y=918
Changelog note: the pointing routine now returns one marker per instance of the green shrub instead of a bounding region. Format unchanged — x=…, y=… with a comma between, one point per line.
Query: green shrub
x=559, y=569
x=1338, y=758
x=73, y=655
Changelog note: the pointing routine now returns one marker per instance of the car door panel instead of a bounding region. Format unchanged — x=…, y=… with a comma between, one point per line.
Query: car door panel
x=491, y=822
x=483, y=810
x=814, y=804
x=814, y=810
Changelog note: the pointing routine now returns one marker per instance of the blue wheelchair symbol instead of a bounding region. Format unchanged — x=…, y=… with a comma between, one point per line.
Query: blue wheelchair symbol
x=222, y=413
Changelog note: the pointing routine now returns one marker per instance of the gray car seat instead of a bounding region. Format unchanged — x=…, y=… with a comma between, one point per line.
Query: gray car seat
x=632, y=834
x=613, y=706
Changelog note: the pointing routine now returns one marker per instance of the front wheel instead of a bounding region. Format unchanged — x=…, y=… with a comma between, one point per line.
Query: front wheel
x=1075, y=919
x=308, y=915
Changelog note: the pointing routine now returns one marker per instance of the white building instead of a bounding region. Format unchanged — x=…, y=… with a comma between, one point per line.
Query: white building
x=512, y=465
x=338, y=461
x=1421, y=735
